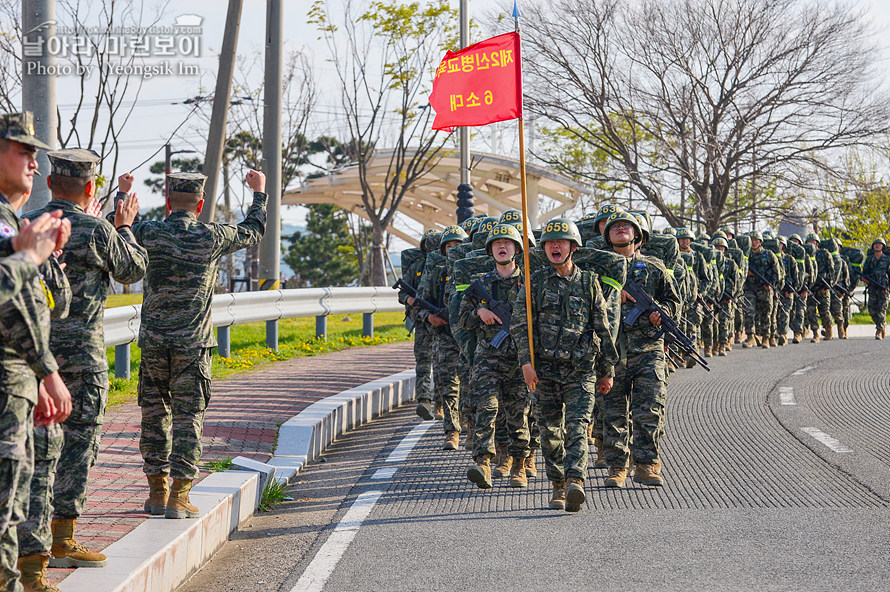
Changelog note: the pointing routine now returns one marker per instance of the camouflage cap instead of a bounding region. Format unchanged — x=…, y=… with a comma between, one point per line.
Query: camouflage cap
x=19, y=127
x=684, y=233
x=187, y=182
x=73, y=162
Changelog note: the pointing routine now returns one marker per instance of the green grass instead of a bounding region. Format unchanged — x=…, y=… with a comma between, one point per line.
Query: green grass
x=273, y=493
x=296, y=339
x=219, y=464
x=863, y=318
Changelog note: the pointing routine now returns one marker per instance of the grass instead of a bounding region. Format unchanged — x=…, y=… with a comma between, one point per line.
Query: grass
x=219, y=464
x=863, y=318
x=296, y=339
x=273, y=493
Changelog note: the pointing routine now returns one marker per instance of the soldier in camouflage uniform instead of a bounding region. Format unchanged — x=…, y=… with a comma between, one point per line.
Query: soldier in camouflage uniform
x=877, y=266
x=97, y=252
x=819, y=303
x=758, y=294
x=446, y=378
x=732, y=281
x=787, y=286
x=25, y=356
x=574, y=355
x=805, y=267
x=841, y=278
x=695, y=264
x=497, y=383
x=638, y=396
x=176, y=334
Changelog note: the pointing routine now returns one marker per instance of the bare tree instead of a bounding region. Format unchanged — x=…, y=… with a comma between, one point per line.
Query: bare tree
x=706, y=96
x=384, y=56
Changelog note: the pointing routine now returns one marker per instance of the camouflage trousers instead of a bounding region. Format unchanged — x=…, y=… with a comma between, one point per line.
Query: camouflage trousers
x=739, y=323
x=564, y=400
x=423, y=360
x=798, y=315
x=725, y=323
x=837, y=309
x=877, y=306
x=596, y=416
x=35, y=534
x=499, y=389
x=759, y=309
x=692, y=321
x=635, y=408
x=709, y=329
x=16, y=469
x=467, y=344
x=174, y=390
x=83, y=433
x=446, y=378
x=846, y=313
x=784, y=310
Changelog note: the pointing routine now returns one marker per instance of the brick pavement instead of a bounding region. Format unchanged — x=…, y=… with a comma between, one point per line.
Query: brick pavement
x=243, y=417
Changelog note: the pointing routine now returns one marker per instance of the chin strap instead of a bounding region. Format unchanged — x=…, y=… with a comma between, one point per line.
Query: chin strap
x=622, y=245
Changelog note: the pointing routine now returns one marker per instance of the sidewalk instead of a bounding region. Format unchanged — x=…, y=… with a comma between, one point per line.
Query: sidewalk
x=243, y=418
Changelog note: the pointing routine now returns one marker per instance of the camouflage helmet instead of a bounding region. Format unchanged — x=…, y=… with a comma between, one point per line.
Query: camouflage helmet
x=430, y=240
x=604, y=212
x=643, y=219
x=719, y=242
x=718, y=234
x=531, y=235
x=783, y=240
x=727, y=230
x=625, y=217
x=796, y=237
x=561, y=229
x=588, y=216
x=487, y=224
x=878, y=240
x=755, y=235
x=470, y=225
x=813, y=237
x=452, y=233
x=510, y=216
x=504, y=231
x=704, y=237
x=768, y=234
x=684, y=233
x=670, y=230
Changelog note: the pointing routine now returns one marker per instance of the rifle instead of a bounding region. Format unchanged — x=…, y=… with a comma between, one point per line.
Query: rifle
x=503, y=310
x=673, y=336
x=769, y=284
x=797, y=296
x=705, y=306
x=715, y=303
x=839, y=291
x=419, y=302
x=871, y=280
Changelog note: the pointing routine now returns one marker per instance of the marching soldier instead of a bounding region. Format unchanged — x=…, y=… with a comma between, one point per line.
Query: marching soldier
x=758, y=293
x=819, y=304
x=792, y=284
x=877, y=270
x=731, y=287
x=806, y=269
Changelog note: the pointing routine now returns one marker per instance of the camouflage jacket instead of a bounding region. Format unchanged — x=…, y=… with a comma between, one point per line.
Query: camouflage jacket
x=793, y=275
x=824, y=270
x=15, y=271
x=183, y=264
x=432, y=286
x=569, y=321
x=25, y=320
x=766, y=264
x=732, y=279
x=95, y=253
x=695, y=266
x=503, y=289
x=878, y=269
x=652, y=276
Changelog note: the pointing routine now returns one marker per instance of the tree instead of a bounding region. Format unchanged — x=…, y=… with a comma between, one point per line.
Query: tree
x=693, y=98
x=323, y=255
x=384, y=56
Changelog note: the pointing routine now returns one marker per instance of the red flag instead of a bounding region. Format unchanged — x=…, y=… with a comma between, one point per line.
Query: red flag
x=478, y=85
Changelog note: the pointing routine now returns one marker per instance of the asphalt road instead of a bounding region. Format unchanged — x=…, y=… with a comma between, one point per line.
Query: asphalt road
x=777, y=468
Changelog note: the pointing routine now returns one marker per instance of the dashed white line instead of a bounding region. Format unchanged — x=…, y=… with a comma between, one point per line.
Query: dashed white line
x=832, y=443
x=786, y=395
x=401, y=452
x=802, y=371
x=385, y=473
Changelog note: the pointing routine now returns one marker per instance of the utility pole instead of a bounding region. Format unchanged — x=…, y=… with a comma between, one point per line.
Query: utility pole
x=230, y=258
x=270, y=247
x=39, y=85
x=217, y=137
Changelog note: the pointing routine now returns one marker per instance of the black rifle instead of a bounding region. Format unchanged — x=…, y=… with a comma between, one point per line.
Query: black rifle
x=797, y=296
x=673, y=336
x=705, y=306
x=503, y=310
x=873, y=281
x=839, y=290
x=715, y=303
x=769, y=284
x=419, y=302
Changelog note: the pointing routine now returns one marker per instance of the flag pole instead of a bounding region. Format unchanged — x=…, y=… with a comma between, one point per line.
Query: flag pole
x=525, y=219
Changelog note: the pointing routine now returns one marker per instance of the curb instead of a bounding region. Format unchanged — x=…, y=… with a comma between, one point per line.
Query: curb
x=160, y=555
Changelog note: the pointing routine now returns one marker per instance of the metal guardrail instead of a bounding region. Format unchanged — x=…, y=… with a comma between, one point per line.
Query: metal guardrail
x=122, y=323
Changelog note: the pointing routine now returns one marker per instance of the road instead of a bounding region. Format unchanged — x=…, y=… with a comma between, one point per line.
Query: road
x=777, y=468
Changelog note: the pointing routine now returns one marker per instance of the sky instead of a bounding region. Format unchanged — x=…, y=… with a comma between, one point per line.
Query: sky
x=159, y=107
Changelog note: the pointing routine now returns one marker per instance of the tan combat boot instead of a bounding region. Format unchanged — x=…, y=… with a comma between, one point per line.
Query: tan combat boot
x=66, y=552
x=648, y=474
x=590, y=438
x=827, y=332
x=707, y=353
x=33, y=570
x=600, y=462
x=517, y=473
x=728, y=345
x=158, y=491
x=815, y=338
x=773, y=342
x=879, y=335
x=841, y=331
x=558, y=498
x=531, y=471
x=764, y=343
x=616, y=478
x=738, y=338
x=178, y=504
x=452, y=440
x=425, y=409
x=574, y=494
x=480, y=473
x=797, y=338
x=503, y=462
x=690, y=362
x=470, y=425
x=750, y=342
x=883, y=332
x=438, y=412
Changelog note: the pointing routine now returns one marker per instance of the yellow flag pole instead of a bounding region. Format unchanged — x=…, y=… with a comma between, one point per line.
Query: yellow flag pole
x=525, y=243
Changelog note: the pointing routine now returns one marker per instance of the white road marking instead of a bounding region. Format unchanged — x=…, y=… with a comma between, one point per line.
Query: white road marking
x=802, y=371
x=786, y=395
x=833, y=443
x=322, y=565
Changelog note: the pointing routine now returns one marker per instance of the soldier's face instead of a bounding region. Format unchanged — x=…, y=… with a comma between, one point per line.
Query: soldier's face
x=684, y=243
x=621, y=232
x=451, y=243
x=17, y=167
x=720, y=248
x=558, y=250
x=755, y=243
x=878, y=247
x=503, y=250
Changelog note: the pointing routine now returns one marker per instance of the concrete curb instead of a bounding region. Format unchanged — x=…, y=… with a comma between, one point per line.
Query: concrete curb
x=159, y=554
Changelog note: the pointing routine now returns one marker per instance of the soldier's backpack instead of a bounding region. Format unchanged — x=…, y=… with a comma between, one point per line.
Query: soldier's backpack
x=612, y=271
x=744, y=243
x=855, y=258
x=597, y=242
x=412, y=266
x=663, y=247
x=587, y=229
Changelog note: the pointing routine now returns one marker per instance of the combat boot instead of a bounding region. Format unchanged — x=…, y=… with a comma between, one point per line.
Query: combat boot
x=724, y=350
x=647, y=474
x=764, y=343
x=738, y=337
x=503, y=462
x=470, y=425
x=690, y=362
x=517, y=473
x=827, y=332
x=600, y=462
x=574, y=494
x=66, y=552
x=425, y=409
x=438, y=412
x=728, y=345
x=879, y=335
x=158, y=491
x=707, y=351
x=616, y=478
x=480, y=473
x=558, y=498
x=590, y=438
x=750, y=342
x=531, y=471
x=33, y=570
x=797, y=338
x=773, y=342
x=841, y=331
x=178, y=504
x=783, y=340
x=883, y=332
x=452, y=440
x=815, y=338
